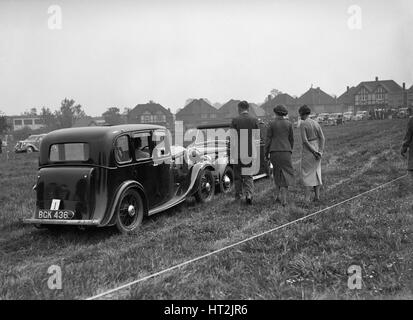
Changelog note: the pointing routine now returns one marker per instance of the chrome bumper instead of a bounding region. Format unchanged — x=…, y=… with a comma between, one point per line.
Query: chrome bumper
x=62, y=222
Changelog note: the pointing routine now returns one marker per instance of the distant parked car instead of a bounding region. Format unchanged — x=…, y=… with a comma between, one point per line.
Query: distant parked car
x=322, y=118
x=361, y=115
x=31, y=144
x=402, y=113
x=348, y=116
x=335, y=119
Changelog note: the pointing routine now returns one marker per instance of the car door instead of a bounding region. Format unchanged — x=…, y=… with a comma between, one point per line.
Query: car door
x=144, y=170
x=163, y=165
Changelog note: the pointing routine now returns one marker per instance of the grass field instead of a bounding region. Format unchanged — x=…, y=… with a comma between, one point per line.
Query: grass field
x=308, y=260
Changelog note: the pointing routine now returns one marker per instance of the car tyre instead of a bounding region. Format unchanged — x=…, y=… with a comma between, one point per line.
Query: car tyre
x=30, y=150
x=129, y=212
x=206, y=187
x=226, y=184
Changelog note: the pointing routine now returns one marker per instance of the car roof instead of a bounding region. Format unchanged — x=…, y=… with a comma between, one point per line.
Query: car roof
x=91, y=133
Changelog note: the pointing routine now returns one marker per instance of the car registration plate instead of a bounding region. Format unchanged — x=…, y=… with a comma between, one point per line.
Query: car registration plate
x=55, y=214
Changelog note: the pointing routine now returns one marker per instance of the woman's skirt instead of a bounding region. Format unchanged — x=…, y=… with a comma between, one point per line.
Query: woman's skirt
x=283, y=170
x=311, y=167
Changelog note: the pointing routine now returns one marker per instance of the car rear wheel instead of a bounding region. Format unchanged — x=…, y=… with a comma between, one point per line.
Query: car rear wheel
x=227, y=180
x=206, y=187
x=129, y=212
x=30, y=150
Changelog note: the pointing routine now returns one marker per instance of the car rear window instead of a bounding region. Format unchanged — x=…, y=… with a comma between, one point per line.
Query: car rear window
x=69, y=152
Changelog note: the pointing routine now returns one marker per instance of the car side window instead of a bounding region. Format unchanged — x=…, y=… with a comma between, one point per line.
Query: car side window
x=141, y=145
x=122, y=153
x=161, y=146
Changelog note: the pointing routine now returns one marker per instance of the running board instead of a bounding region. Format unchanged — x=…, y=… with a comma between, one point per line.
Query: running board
x=167, y=205
x=260, y=176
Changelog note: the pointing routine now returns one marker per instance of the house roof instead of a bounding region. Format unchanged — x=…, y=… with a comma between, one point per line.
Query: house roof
x=410, y=89
x=151, y=107
x=230, y=109
x=316, y=96
x=371, y=86
x=282, y=98
x=197, y=106
x=347, y=96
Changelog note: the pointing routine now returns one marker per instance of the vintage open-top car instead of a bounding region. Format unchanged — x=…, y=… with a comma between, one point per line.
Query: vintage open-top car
x=213, y=141
x=104, y=176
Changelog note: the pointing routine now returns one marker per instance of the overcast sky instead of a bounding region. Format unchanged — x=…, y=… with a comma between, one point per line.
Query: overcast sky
x=121, y=53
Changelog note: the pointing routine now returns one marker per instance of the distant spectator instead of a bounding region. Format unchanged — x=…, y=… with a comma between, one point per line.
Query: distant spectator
x=408, y=146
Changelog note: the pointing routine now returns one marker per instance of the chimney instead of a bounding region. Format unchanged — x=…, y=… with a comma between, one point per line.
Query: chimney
x=269, y=97
x=348, y=88
x=377, y=78
x=404, y=86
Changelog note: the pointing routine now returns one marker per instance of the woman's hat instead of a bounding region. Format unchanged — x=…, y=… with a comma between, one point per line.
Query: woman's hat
x=304, y=110
x=281, y=110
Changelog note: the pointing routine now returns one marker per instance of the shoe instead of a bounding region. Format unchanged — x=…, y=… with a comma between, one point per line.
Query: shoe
x=248, y=200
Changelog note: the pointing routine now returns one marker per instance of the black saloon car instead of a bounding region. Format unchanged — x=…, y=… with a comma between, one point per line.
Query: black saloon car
x=104, y=176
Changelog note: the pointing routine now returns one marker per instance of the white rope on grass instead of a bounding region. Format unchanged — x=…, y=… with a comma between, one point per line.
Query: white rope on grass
x=129, y=284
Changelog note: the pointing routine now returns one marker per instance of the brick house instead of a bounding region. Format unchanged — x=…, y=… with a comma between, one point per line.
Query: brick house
x=152, y=113
x=346, y=100
x=385, y=94
x=319, y=101
x=197, y=112
x=409, y=97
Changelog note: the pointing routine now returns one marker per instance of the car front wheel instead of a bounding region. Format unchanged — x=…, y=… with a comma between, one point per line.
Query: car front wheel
x=30, y=150
x=129, y=212
x=206, y=187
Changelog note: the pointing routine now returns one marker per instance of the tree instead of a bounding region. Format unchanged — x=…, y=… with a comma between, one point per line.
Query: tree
x=49, y=119
x=273, y=94
x=4, y=126
x=31, y=112
x=112, y=116
x=69, y=113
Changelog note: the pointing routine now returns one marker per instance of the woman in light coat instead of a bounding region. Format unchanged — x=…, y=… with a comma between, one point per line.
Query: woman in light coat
x=313, y=142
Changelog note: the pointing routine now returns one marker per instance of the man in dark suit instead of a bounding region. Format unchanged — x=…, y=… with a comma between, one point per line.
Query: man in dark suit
x=408, y=146
x=244, y=151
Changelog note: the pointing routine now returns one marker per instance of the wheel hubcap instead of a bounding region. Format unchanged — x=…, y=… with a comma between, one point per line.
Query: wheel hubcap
x=131, y=210
x=227, y=181
x=208, y=187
